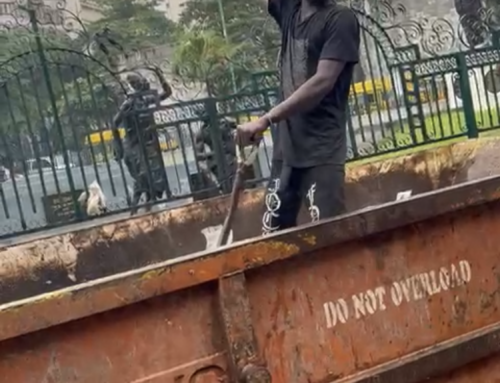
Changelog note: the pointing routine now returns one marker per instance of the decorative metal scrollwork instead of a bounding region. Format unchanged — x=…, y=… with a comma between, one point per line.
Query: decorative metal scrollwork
x=350, y=155
x=436, y=35
x=366, y=149
x=252, y=103
x=431, y=133
x=478, y=20
x=386, y=145
x=432, y=35
x=404, y=140
x=397, y=140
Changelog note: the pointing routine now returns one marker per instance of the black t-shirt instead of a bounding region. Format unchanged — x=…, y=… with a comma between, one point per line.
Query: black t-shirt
x=318, y=136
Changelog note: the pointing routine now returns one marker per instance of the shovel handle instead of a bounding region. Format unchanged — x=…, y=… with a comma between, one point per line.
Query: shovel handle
x=243, y=162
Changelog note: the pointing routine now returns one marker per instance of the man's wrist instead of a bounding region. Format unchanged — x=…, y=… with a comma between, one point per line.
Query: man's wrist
x=269, y=119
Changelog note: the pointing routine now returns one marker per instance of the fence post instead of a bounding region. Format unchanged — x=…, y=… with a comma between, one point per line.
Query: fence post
x=216, y=137
x=465, y=91
x=413, y=104
x=53, y=104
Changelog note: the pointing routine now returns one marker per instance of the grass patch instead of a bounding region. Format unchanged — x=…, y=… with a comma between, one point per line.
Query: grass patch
x=441, y=129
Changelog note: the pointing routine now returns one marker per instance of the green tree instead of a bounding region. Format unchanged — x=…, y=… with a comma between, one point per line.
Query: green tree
x=23, y=90
x=245, y=22
x=134, y=24
x=204, y=57
x=87, y=92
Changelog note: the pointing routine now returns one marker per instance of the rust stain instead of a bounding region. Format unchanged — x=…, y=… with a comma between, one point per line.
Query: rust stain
x=391, y=274
x=169, y=339
x=309, y=239
x=111, y=292
x=52, y=263
x=212, y=369
x=236, y=319
x=289, y=301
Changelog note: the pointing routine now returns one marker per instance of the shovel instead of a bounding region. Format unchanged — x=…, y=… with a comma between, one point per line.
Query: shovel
x=243, y=163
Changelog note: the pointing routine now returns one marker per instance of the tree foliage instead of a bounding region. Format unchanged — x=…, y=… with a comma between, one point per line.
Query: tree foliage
x=246, y=22
x=135, y=23
x=85, y=92
x=24, y=92
x=205, y=57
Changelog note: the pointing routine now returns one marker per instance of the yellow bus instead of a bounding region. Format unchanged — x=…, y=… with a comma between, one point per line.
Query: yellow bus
x=430, y=90
x=372, y=95
x=106, y=137
x=369, y=96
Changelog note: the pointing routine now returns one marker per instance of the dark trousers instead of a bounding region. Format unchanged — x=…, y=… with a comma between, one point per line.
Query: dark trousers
x=321, y=188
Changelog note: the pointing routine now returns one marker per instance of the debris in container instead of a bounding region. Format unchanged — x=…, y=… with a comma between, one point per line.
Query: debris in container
x=404, y=195
x=93, y=202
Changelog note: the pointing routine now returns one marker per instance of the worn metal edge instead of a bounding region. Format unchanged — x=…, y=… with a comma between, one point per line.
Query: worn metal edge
x=435, y=360
x=424, y=161
x=235, y=314
x=112, y=292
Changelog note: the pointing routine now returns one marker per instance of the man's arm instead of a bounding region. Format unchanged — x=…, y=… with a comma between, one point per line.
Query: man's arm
x=280, y=9
x=118, y=118
x=274, y=9
x=310, y=93
x=167, y=89
x=117, y=121
x=165, y=86
x=341, y=46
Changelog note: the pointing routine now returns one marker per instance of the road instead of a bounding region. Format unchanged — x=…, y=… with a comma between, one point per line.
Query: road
x=115, y=181
x=113, y=178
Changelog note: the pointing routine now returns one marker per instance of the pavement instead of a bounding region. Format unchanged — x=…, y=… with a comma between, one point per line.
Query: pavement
x=22, y=198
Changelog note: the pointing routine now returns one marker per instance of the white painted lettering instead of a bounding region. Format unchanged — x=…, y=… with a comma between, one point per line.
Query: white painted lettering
x=330, y=314
x=455, y=278
x=370, y=302
x=407, y=290
x=359, y=305
x=380, y=293
x=416, y=286
x=444, y=279
x=396, y=294
x=426, y=284
x=336, y=312
x=436, y=288
x=465, y=271
x=342, y=310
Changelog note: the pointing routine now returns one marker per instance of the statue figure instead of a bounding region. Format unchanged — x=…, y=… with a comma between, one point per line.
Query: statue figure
x=212, y=174
x=140, y=148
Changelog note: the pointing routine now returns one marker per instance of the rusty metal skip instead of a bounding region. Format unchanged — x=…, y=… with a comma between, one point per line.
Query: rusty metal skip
x=241, y=339
x=404, y=292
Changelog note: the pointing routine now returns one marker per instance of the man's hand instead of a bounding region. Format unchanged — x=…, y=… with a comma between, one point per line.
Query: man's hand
x=250, y=133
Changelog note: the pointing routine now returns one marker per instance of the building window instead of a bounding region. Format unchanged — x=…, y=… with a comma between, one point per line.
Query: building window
x=7, y=8
x=49, y=16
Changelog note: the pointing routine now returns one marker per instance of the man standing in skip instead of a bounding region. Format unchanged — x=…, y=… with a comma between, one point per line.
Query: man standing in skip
x=319, y=49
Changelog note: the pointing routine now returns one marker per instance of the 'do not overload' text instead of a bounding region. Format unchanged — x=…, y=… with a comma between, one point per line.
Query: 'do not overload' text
x=411, y=289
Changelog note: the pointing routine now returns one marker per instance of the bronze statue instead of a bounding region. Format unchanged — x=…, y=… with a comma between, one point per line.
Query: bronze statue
x=140, y=148
x=212, y=174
